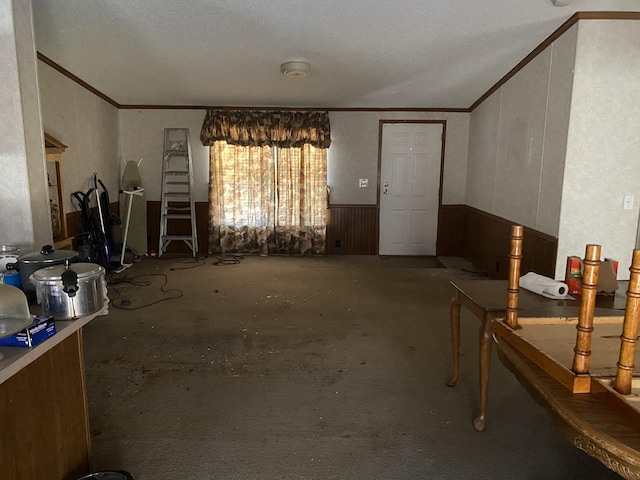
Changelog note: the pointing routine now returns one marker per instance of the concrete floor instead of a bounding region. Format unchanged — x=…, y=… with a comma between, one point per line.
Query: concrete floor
x=304, y=368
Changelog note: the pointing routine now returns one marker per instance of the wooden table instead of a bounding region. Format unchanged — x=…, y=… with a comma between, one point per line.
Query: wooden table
x=44, y=419
x=487, y=300
x=603, y=423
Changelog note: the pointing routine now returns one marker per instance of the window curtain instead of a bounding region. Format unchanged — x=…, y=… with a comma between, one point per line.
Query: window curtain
x=252, y=128
x=241, y=195
x=268, y=181
x=302, y=200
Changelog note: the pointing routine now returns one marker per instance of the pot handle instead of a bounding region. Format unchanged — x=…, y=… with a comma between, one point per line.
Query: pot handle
x=12, y=266
x=70, y=282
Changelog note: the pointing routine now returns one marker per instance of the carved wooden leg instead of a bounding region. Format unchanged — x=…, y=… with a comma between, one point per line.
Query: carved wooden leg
x=454, y=316
x=515, y=259
x=629, y=337
x=587, y=306
x=485, y=340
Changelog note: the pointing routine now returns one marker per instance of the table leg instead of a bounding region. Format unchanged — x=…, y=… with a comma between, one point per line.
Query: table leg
x=454, y=315
x=485, y=341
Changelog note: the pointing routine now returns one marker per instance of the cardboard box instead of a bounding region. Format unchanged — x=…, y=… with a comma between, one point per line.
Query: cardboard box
x=607, y=277
x=573, y=275
x=614, y=263
x=42, y=328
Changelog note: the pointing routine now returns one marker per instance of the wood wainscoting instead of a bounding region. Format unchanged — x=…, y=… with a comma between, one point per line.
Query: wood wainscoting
x=352, y=230
x=486, y=245
x=463, y=231
x=74, y=220
x=74, y=226
x=450, y=241
x=179, y=227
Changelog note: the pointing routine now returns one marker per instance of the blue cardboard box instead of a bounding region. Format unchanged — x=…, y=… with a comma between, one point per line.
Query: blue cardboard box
x=42, y=328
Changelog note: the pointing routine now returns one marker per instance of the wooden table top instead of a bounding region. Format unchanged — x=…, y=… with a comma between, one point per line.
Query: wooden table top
x=491, y=296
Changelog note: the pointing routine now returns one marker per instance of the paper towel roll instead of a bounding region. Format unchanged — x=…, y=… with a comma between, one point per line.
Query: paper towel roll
x=545, y=286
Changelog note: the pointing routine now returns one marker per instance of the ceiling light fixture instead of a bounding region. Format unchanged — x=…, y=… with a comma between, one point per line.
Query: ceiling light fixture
x=296, y=69
x=561, y=3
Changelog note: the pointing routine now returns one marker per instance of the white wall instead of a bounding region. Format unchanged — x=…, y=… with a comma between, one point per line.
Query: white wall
x=517, y=141
x=142, y=136
x=88, y=125
x=24, y=211
x=603, y=145
x=353, y=153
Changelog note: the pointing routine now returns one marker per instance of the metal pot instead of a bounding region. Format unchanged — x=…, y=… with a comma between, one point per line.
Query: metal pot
x=8, y=254
x=29, y=263
x=70, y=291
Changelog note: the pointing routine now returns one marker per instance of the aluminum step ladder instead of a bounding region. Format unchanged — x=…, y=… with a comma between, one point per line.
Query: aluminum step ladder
x=177, y=191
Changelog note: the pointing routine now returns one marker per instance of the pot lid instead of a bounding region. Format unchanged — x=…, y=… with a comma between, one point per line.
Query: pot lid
x=9, y=249
x=83, y=270
x=48, y=255
x=14, y=310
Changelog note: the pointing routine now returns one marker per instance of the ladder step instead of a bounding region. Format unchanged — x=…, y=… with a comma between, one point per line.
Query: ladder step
x=177, y=169
x=181, y=208
x=177, y=209
x=177, y=194
x=177, y=237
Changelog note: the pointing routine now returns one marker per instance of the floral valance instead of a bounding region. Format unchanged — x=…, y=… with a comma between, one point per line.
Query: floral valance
x=285, y=129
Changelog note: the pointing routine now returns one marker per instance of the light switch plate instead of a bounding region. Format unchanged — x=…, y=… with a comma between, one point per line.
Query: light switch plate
x=363, y=183
x=627, y=203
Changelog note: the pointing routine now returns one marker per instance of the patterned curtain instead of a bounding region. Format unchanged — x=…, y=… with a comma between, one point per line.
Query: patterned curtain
x=265, y=199
x=302, y=200
x=241, y=198
x=284, y=129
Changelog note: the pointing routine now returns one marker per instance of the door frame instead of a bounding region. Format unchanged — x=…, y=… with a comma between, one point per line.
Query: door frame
x=381, y=124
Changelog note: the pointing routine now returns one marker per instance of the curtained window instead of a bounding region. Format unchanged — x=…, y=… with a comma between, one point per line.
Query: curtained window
x=268, y=181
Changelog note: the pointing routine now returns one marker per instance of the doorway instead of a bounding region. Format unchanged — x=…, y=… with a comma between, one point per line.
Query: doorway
x=411, y=157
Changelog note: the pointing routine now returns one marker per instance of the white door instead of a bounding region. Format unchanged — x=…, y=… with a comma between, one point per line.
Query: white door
x=409, y=188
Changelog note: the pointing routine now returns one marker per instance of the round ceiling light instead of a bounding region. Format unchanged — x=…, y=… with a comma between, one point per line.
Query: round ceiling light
x=295, y=69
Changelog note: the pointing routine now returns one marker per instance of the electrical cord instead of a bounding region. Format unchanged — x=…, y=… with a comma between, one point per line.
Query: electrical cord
x=229, y=259
x=199, y=262
x=113, y=282
x=135, y=281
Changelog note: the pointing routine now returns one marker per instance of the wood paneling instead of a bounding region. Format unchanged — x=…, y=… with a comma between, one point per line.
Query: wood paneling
x=486, y=245
x=352, y=230
x=451, y=230
x=44, y=427
x=179, y=227
x=463, y=231
x=74, y=222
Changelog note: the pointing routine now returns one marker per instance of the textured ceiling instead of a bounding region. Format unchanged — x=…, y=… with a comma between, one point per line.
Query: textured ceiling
x=363, y=54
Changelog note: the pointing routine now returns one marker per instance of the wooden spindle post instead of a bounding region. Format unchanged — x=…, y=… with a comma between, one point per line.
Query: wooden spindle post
x=591, y=267
x=629, y=337
x=515, y=258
